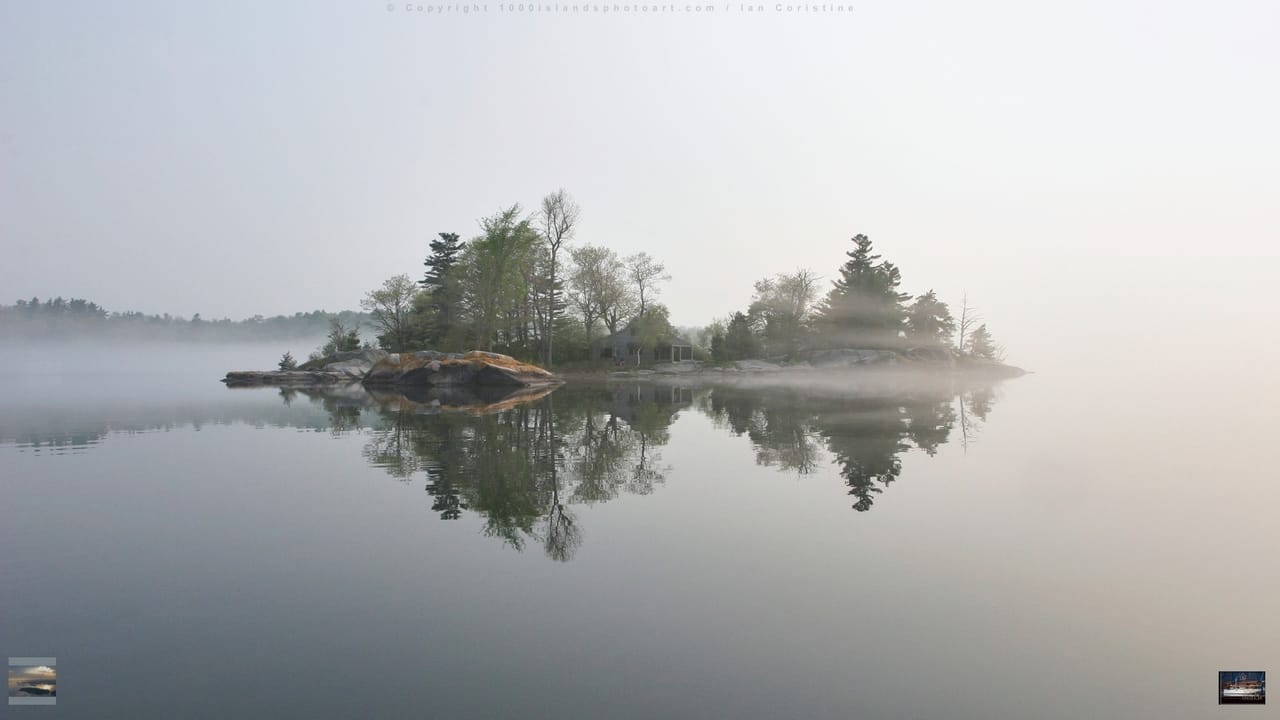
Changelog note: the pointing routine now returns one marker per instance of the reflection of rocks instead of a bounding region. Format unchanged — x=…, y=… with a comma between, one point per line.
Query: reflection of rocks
x=478, y=400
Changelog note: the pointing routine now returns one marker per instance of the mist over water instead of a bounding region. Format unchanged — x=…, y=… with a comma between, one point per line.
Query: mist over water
x=72, y=371
x=923, y=548
x=1096, y=539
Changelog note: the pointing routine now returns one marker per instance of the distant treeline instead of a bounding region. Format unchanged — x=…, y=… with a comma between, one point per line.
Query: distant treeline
x=59, y=318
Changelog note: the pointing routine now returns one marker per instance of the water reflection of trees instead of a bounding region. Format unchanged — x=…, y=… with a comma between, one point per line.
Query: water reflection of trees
x=524, y=462
x=864, y=431
x=523, y=469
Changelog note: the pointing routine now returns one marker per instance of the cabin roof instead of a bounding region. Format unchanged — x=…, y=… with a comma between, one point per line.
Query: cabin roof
x=627, y=334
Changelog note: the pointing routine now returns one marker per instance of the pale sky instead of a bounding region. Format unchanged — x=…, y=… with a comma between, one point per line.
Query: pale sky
x=1068, y=164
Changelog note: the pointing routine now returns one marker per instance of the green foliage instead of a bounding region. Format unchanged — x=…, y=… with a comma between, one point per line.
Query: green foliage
x=443, y=257
x=390, y=307
x=497, y=277
x=718, y=352
x=599, y=289
x=982, y=346
x=435, y=317
x=572, y=342
x=653, y=328
x=287, y=362
x=929, y=322
x=342, y=338
x=780, y=310
x=740, y=341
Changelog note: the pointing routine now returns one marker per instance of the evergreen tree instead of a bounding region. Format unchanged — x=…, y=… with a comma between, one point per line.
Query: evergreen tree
x=718, y=353
x=982, y=346
x=864, y=307
x=740, y=342
x=929, y=322
x=436, y=312
x=444, y=255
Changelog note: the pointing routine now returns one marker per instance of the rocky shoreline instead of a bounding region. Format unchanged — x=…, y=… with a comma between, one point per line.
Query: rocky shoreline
x=376, y=368
x=430, y=369
x=820, y=363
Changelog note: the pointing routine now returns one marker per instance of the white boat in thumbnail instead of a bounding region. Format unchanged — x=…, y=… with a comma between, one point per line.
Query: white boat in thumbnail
x=1241, y=692
x=1243, y=688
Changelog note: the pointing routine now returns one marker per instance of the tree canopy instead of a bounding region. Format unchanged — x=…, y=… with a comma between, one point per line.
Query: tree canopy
x=864, y=305
x=929, y=322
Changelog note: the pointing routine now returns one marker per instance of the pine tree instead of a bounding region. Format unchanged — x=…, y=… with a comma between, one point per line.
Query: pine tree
x=436, y=313
x=739, y=341
x=929, y=322
x=718, y=353
x=864, y=307
x=982, y=346
x=444, y=255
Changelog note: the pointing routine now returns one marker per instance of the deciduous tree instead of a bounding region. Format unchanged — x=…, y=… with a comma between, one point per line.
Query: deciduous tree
x=781, y=309
x=389, y=307
x=645, y=273
x=653, y=328
x=494, y=270
x=559, y=221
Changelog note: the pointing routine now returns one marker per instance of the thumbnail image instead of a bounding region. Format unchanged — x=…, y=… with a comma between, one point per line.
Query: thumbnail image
x=33, y=681
x=1241, y=687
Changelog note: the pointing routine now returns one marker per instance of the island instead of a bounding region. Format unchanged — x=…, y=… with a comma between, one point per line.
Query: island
x=522, y=305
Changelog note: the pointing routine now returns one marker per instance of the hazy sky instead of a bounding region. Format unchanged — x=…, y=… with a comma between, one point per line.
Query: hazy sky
x=1068, y=164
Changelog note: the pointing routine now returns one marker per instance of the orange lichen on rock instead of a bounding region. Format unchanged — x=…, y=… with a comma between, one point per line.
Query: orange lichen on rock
x=504, y=361
x=428, y=368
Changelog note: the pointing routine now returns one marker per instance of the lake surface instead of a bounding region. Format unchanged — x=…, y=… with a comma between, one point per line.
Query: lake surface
x=1059, y=546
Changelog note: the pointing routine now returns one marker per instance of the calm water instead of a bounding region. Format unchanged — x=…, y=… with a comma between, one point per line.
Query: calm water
x=1056, y=546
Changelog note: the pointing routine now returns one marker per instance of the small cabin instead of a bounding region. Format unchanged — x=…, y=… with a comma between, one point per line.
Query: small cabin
x=622, y=347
